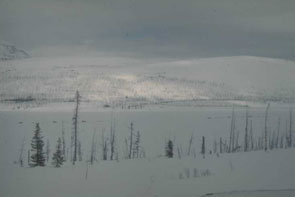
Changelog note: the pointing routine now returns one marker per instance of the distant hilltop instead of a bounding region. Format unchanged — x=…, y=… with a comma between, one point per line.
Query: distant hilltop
x=10, y=52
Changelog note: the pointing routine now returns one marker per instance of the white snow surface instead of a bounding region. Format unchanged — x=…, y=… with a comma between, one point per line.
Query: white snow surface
x=121, y=82
x=153, y=175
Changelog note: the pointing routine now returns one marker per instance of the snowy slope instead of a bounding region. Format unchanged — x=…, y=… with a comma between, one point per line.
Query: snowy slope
x=122, y=82
x=10, y=52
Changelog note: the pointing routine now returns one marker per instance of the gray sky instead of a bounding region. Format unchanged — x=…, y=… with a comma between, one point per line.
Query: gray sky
x=154, y=28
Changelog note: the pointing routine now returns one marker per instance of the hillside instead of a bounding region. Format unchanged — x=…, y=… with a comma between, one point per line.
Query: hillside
x=121, y=82
x=10, y=52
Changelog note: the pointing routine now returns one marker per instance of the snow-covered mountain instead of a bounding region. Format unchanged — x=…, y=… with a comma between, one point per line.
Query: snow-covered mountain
x=122, y=82
x=10, y=52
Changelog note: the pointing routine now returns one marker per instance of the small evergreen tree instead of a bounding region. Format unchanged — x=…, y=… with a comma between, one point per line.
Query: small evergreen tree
x=38, y=155
x=169, y=149
x=57, y=159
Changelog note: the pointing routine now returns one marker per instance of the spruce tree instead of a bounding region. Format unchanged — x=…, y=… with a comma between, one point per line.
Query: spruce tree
x=38, y=155
x=57, y=159
x=169, y=149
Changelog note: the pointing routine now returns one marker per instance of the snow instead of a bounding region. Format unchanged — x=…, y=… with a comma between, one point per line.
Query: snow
x=165, y=99
x=127, y=82
x=259, y=193
x=153, y=175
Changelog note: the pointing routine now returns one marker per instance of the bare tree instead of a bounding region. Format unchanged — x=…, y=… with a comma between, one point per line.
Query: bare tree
x=104, y=144
x=215, y=146
x=75, y=125
x=47, y=150
x=265, y=127
x=131, y=140
x=232, y=132
x=246, y=140
x=112, y=139
x=251, y=136
x=29, y=158
x=179, y=152
x=237, y=146
x=190, y=145
x=278, y=133
x=21, y=154
x=290, y=128
x=80, y=153
x=93, y=148
x=220, y=145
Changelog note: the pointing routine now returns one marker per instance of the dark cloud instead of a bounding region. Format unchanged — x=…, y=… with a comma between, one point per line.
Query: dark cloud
x=168, y=28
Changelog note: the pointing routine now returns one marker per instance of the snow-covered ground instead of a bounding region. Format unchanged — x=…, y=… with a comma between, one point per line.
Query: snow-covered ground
x=153, y=175
x=165, y=99
x=136, y=83
x=257, y=193
x=160, y=177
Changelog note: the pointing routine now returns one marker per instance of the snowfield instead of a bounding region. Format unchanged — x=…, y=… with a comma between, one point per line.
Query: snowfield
x=219, y=174
x=135, y=83
x=165, y=100
x=156, y=177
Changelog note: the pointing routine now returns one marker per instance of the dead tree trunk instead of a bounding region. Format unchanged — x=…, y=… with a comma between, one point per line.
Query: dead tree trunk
x=93, y=148
x=131, y=141
x=265, y=128
x=232, y=132
x=112, y=140
x=251, y=136
x=246, y=140
x=190, y=145
x=75, y=124
x=290, y=128
x=104, y=147
x=21, y=158
x=220, y=145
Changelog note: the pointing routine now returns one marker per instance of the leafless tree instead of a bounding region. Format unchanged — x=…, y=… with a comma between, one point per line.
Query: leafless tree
x=93, y=148
x=75, y=125
x=104, y=144
x=190, y=145
x=21, y=154
x=265, y=127
x=246, y=139
x=290, y=128
x=131, y=141
x=220, y=145
x=232, y=131
x=80, y=153
x=251, y=136
x=112, y=139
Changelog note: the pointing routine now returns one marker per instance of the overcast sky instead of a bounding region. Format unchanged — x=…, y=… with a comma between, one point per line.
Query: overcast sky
x=154, y=28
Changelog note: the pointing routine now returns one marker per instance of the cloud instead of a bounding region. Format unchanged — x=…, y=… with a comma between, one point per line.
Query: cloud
x=169, y=28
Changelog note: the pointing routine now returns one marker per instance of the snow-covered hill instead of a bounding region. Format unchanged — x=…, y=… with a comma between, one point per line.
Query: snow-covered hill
x=122, y=82
x=10, y=52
